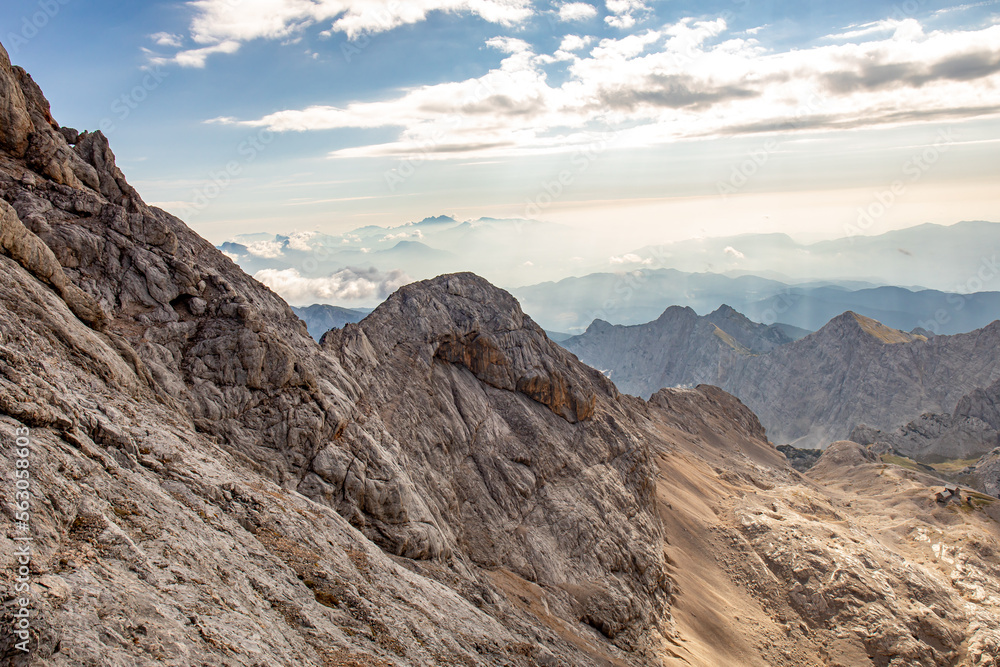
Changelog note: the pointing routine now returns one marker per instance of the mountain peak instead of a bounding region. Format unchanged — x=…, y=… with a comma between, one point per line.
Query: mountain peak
x=873, y=328
x=727, y=311
x=676, y=312
x=464, y=320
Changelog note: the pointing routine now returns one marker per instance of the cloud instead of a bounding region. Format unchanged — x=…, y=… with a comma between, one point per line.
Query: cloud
x=623, y=12
x=349, y=284
x=416, y=234
x=194, y=57
x=686, y=80
x=733, y=252
x=266, y=249
x=167, y=39
x=300, y=241
x=508, y=44
x=630, y=258
x=574, y=43
x=577, y=11
x=221, y=26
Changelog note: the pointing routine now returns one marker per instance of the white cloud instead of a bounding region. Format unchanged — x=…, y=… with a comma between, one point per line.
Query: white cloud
x=577, y=11
x=574, y=42
x=623, y=12
x=966, y=7
x=348, y=284
x=194, y=57
x=219, y=21
x=416, y=234
x=905, y=29
x=630, y=258
x=733, y=252
x=508, y=44
x=684, y=81
x=300, y=241
x=167, y=39
x=266, y=249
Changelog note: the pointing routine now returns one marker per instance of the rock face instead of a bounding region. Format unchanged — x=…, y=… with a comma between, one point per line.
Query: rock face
x=986, y=475
x=970, y=431
x=503, y=426
x=677, y=349
x=815, y=390
x=206, y=421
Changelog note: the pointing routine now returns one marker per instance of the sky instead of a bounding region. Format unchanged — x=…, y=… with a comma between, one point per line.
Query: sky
x=650, y=121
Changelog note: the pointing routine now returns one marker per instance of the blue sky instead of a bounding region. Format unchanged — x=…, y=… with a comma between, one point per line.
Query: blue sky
x=650, y=120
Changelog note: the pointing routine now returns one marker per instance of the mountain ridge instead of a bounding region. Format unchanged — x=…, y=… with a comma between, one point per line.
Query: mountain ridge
x=807, y=392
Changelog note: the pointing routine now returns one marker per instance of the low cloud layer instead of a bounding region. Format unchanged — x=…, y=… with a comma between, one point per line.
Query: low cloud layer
x=347, y=285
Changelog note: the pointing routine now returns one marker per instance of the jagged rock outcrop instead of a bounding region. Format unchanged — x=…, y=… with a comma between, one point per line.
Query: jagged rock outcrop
x=503, y=425
x=986, y=475
x=812, y=391
x=969, y=431
x=677, y=349
x=982, y=403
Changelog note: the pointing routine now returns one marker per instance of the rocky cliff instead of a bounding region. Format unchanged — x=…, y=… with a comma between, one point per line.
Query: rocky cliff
x=969, y=431
x=189, y=429
x=812, y=391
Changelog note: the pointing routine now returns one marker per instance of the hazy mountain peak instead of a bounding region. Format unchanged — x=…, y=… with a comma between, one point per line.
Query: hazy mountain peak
x=873, y=328
x=675, y=312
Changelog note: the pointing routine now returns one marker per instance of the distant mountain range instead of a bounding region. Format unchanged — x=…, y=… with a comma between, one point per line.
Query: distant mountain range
x=769, y=277
x=809, y=392
x=957, y=258
x=320, y=318
x=640, y=296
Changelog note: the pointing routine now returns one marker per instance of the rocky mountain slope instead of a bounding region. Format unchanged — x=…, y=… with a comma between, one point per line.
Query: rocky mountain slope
x=636, y=294
x=678, y=348
x=969, y=431
x=181, y=412
x=439, y=484
x=812, y=391
x=985, y=476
